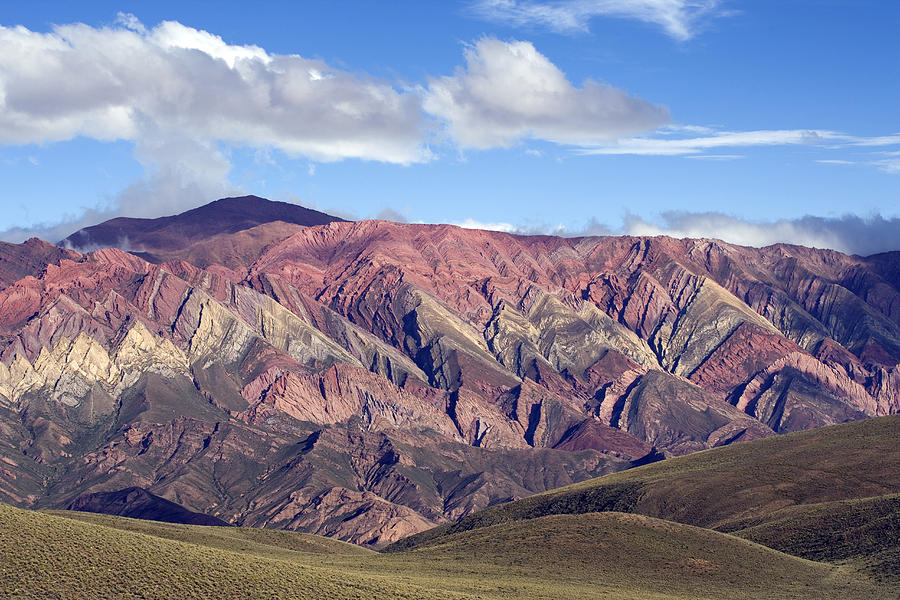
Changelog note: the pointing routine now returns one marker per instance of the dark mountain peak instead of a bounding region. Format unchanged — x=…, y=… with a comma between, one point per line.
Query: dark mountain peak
x=138, y=503
x=155, y=239
x=257, y=210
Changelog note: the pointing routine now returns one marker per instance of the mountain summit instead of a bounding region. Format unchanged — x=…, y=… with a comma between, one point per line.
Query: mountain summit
x=156, y=239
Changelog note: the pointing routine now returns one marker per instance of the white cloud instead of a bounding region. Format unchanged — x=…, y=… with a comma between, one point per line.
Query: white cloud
x=678, y=18
x=509, y=91
x=725, y=139
x=130, y=21
x=499, y=226
x=888, y=165
x=115, y=83
x=666, y=144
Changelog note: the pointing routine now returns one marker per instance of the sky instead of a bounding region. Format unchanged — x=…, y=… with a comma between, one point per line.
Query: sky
x=755, y=122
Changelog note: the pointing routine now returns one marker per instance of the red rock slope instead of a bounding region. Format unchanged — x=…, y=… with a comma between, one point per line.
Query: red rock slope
x=368, y=380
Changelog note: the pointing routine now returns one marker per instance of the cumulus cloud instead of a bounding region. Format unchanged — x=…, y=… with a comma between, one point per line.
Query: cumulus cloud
x=508, y=91
x=113, y=83
x=680, y=19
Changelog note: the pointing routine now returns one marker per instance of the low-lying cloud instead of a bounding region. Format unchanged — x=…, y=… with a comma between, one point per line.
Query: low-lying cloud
x=495, y=226
x=850, y=234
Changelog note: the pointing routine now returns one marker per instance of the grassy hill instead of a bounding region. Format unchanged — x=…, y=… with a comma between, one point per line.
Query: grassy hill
x=788, y=492
x=610, y=555
x=864, y=533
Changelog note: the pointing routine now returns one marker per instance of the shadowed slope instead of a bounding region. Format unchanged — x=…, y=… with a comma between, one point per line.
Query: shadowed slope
x=138, y=503
x=863, y=533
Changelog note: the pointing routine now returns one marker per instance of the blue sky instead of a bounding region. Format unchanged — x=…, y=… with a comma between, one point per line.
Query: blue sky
x=756, y=122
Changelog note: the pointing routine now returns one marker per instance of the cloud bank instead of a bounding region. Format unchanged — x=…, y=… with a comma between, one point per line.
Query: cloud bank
x=680, y=19
x=850, y=233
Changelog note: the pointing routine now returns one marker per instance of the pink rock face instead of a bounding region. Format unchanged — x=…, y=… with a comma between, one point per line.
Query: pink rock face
x=368, y=380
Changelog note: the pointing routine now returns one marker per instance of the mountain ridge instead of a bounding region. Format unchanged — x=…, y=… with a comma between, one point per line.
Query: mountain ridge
x=371, y=379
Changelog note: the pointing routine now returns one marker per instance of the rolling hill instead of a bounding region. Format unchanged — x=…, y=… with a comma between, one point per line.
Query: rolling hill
x=83, y=555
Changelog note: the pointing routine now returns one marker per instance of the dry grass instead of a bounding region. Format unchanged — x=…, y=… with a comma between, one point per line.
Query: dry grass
x=611, y=555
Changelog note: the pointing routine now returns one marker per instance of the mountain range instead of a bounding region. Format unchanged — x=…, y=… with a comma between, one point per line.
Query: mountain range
x=277, y=367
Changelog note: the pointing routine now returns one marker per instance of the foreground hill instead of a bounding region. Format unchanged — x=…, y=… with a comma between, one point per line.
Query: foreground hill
x=827, y=494
x=81, y=555
x=371, y=380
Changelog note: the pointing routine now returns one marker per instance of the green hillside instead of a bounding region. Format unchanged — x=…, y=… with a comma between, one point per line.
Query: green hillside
x=611, y=555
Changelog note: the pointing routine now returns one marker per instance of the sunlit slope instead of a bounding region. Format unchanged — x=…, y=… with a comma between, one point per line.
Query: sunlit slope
x=598, y=555
x=641, y=557
x=270, y=543
x=48, y=556
x=728, y=488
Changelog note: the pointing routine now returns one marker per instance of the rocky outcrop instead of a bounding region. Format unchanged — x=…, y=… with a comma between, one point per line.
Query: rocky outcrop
x=364, y=517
